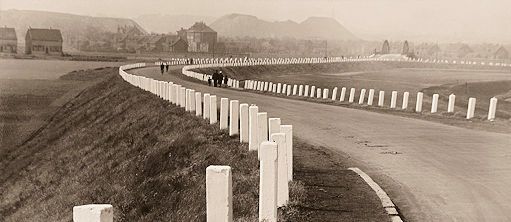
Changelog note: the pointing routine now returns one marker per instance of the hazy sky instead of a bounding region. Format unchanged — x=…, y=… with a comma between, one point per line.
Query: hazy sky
x=425, y=20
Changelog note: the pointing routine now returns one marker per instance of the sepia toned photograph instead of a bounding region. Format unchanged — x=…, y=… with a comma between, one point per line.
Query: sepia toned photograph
x=255, y=111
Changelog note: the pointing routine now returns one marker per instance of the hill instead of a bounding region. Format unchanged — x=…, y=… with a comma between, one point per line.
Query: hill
x=169, y=23
x=73, y=27
x=239, y=25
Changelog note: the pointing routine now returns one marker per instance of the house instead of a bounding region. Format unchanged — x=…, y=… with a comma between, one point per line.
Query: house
x=201, y=38
x=501, y=53
x=385, y=49
x=43, y=41
x=8, y=40
x=178, y=45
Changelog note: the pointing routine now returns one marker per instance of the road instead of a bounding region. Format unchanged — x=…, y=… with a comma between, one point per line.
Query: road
x=432, y=171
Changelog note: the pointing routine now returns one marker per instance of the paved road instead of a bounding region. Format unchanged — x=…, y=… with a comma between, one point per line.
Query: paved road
x=433, y=172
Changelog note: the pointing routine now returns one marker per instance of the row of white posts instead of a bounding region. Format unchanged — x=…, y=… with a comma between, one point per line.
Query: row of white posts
x=313, y=92
x=272, y=141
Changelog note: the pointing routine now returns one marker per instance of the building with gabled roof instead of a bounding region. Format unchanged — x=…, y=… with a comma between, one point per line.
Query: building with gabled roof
x=8, y=40
x=201, y=38
x=43, y=41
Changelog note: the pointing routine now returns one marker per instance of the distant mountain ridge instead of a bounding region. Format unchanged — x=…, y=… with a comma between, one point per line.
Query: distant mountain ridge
x=169, y=23
x=240, y=25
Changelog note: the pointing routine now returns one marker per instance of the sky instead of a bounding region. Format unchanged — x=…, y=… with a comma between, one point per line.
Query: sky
x=421, y=20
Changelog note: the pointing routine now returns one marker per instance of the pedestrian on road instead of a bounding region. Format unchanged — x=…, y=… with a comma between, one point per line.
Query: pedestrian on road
x=215, y=79
x=209, y=81
x=225, y=80
x=162, y=68
x=167, y=66
x=220, y=78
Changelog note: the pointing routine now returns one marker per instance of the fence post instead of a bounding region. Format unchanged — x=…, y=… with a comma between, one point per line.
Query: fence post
x=234, y=117
x=306, y=91
x=198, y=104
x=295, y=88
x=362, y=96
x=273, y=126
x=268, y=182
x=334, y=93
x=253, y=136
x=207, y=101
x=318, y=93
x=300, y=90
x=213, y=118
x=192, y=100
x=219, y=193
x=244, y=126
x=492, y=109
x=370, y=98
x=471, y=108
x=381, y=98
x=393, y=100
x=282, y=180
x=288, y=130
x=405, y=100
x=93, y=213
x=352, y=95
x=313, y=90
x=418, y=104
x=224, y=113
x=434, y=103
x=450, y=106
x=343, y=94
x=262, y=125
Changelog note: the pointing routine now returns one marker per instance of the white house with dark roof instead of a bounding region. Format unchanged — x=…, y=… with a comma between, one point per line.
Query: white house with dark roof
x=43, y=41
x=8, y=40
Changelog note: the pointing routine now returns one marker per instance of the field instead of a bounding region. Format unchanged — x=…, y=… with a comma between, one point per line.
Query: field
x=443, y=79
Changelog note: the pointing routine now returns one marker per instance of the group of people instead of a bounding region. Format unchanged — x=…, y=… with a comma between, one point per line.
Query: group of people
x=163, y=67
x=217, y=79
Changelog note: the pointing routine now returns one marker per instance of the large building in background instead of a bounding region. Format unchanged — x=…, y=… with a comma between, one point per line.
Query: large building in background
x=201, y=38
x=8, y=40
x=43, y=41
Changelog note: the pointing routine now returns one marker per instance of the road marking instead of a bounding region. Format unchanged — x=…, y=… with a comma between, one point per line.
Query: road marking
x=386, y=202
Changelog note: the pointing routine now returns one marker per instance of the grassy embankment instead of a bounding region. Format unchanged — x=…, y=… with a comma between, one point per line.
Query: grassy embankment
x=114, y=143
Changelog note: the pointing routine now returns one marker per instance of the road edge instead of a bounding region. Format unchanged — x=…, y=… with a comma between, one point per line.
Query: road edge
x=386, y=202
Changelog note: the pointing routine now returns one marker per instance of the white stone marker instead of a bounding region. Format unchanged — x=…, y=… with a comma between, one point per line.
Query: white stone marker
x=318, y=93
x=282, y=180
x=343, y=94
x=273, y=126
x=224, y=113
x=262, y=125
x=434, y=103
x=300, y=90
x=393, y=100
x=492, y=109
x=406, y=95
x=362, y=96
x=306, y=91
x=93, y=213
x=182, y=96
x=325, y=93
x=187, y=100
x=279, y=87
x=370, y=97
x=450, y=106
x=288, y=130
x=207, y=101
x=381, y=98
x=471, y=107
x=219, y=193
x=295, y=88
x=334, y=94
x=253, y=136
x=352, y=95
x=313, y=90
x=198, y=104
x=284, y=89
x=192, y=100
x=244, y=126
x=234, y=117
x=288, y=90
x=268, y=170
x=213, y=118
x=418, y=105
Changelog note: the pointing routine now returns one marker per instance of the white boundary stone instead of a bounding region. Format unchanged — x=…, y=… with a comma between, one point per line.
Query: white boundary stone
x=362, y=96
x=418, y=104
x=452, y=101
x=434, y=103
x=343, y=94
x=381, y=98
x=406, y=95
x=234, y=117
x=268, y=170
x=492, y=109
x=206, y=108
x=393, y=100
x=219, y=194
x=224, y=113
x=93, y=213
x=253, y=136
x=282, y=180
x=352, y=95
x=471, y=108
x=288, y=130
x=213, y=115
x=244, y=124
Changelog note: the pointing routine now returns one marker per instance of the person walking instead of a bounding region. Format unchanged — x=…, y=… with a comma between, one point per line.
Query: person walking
x=209, y=81
x=162, y=67
x=220, y=78
x=226, y=80
x=215, y=79
x=167, y=66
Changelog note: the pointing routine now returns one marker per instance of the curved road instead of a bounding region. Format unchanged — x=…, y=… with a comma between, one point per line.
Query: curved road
x=433, y=172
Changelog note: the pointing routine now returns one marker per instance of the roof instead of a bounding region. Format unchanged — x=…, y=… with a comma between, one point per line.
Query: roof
x=8, y=34
x=45, y=34
x=200, y=27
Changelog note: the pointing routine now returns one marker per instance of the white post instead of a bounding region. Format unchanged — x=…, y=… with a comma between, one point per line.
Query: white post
x=268, y=182
x=262, y=125
x=306, y=91
x=187, y=100
x=284, y=88
x=370, y=98
x=288, y=90
x=233, y=117
x=244, y=126
x=352, y=95
x=182, y=96
x=300, y=90
x=325, y=93
x=198, y=104
x=253, y=136
x=213, y=118
x=192, y=100
x=282, y=180
x=219, y=193
x=492, y=109
x=93, y=213
x=362, y=96
x=334, y=93
x=393, y=100
x=224, y=112
x=295, y=88
x=418, y=105
x=343, y=94
x=450, y=106
x=471, y=108
x=273, y=126
x=434, y=103
x=288, y=130
x=381, y=98
x=405, y=100
x=318, y=93
x=279, y=87
x=207, y=101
